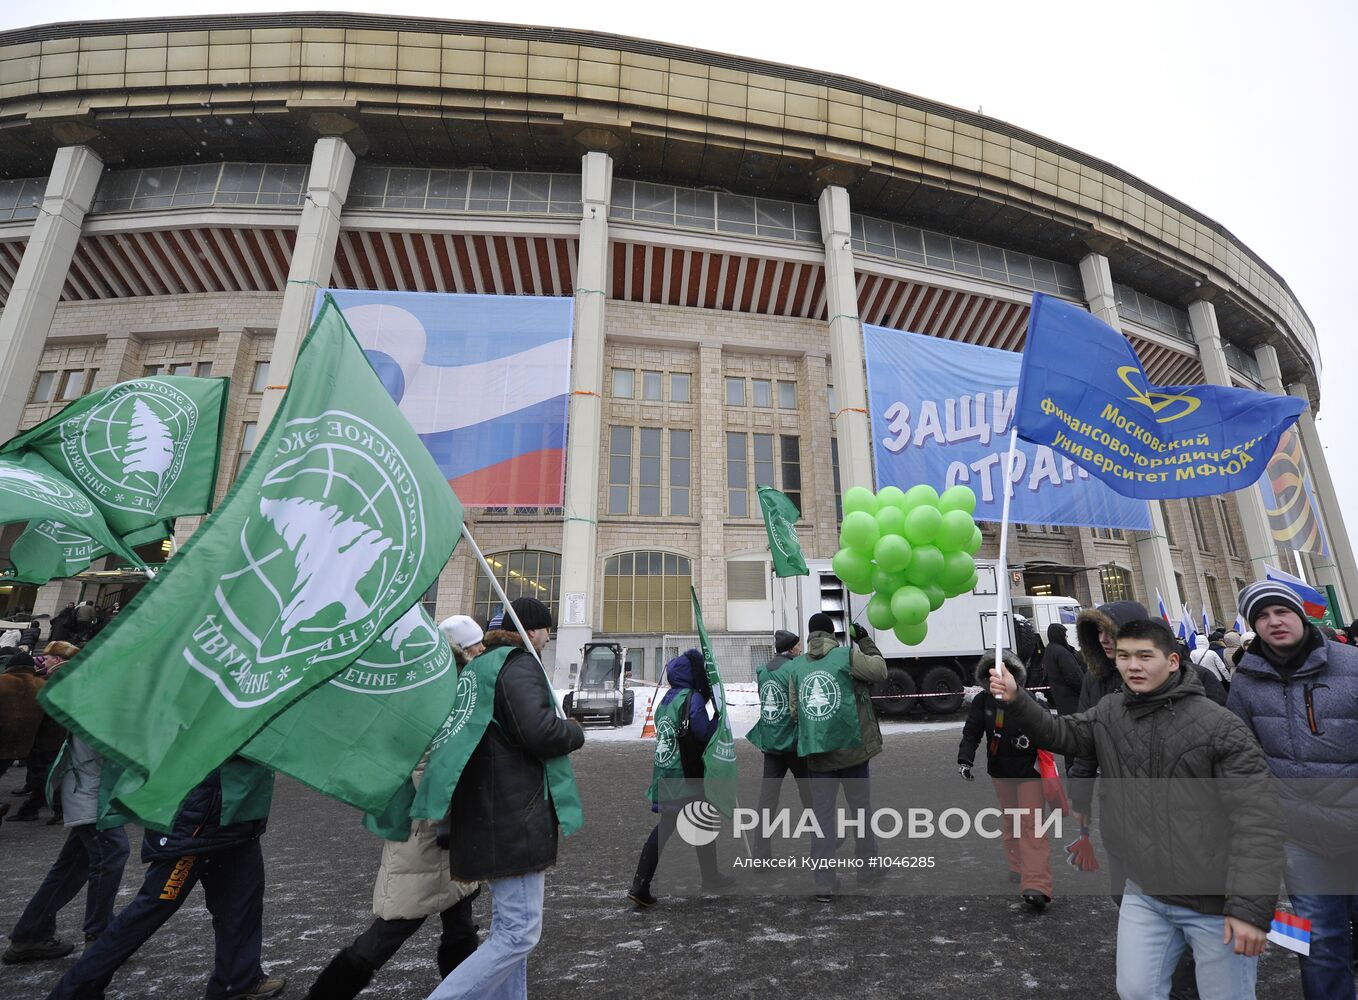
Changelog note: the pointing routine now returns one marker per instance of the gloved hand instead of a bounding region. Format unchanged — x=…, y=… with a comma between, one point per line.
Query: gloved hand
x=965, y=771
x=857, y=632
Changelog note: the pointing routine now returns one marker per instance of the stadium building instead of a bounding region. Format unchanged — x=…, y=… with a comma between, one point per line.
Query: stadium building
x=175, y=190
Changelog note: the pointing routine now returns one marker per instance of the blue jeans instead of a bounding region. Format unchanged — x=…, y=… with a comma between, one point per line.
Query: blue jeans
x=498, y=970
x=1327, y=973
x=89, y=855
x=858, y=800
x=1152, y=936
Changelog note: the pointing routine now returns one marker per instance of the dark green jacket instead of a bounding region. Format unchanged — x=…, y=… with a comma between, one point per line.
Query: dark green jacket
x=1186, y=799
x=868, y=667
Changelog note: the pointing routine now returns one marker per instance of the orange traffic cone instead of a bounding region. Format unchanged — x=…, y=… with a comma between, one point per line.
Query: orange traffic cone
x=648, y=727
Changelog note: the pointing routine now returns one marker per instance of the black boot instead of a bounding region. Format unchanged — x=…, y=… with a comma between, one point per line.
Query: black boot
x=453, y=953
x=641, y=892
x=342, y=979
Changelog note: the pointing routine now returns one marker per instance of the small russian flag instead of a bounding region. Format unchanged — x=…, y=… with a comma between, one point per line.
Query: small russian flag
x=1313, y=601
x=1291, y=932
x=1164, y=611
x=1240, y=625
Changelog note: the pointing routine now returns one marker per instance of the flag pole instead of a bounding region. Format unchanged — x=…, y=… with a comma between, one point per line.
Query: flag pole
x=509, y=611
x=1002, y=570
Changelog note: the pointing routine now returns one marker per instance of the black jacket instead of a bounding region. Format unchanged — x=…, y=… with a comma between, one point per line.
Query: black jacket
x=217, y=814
x=1065, y=676
x=1013, y=754
x=501, y=821
x=1187, y=802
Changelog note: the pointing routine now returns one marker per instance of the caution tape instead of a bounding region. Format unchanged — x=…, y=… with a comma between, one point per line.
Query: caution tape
x=934, y=694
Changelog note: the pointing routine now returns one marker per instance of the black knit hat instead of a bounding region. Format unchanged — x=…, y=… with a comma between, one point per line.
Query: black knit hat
x=532, y=613
x=784, y=640
x=821, y=622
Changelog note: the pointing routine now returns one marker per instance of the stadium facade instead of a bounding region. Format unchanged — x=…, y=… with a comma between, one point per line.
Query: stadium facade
x=175, y=191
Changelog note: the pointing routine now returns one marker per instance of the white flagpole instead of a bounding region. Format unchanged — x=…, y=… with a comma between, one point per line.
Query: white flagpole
x=1002, y=570
x=509, y=611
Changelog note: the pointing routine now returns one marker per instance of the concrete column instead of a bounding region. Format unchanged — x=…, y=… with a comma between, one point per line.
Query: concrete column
x=119, y=362
x=1087, y=555
x=313, y=258
x=710, y=572
x=1157, y=565
x=580, y=532
x=818, y=477
x=37, y=285
x=1259, y=548
x=846, y=342
x=1338, y=569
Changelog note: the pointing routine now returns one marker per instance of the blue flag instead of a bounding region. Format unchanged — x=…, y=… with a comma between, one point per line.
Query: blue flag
x=1083, y=392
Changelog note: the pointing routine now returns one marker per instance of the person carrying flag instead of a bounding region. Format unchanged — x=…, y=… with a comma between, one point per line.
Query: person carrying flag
x=1299, y=695
x=776, y=734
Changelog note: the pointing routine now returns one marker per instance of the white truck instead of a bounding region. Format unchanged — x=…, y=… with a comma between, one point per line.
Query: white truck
x=937, y=668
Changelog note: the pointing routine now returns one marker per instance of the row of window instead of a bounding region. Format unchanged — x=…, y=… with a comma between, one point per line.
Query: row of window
x=72, y=383
x=649, y=386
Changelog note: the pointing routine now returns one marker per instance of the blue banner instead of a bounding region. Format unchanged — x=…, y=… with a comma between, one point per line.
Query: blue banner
x=940, y=415
x=1084, y=393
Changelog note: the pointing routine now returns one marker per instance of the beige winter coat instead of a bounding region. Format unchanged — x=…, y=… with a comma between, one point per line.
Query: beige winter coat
x=413, y=880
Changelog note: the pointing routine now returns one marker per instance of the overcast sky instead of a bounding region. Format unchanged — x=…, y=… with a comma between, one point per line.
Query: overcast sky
x=1240, y=108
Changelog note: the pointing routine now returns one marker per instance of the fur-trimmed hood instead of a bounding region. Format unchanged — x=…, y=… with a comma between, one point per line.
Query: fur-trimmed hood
x=1108, y=618
x=500, y=637
x=1011, y=662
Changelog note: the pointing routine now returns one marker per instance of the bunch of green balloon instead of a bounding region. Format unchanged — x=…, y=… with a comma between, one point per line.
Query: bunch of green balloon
x=910, y=550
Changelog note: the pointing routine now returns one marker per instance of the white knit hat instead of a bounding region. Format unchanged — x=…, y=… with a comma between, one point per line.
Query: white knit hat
x=461, y=630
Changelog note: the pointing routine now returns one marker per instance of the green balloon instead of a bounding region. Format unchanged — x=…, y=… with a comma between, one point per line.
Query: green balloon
x=912, y=635
x=925, y=567
x=850, y=564
x=955, y=531
x=879, y=612
x=922, y=525
x=892, y=553
x=935, y=594
x=887, y=583
x=890, y=496
x=859, y=531
x=910, y=605
x=973, y=546
x=958, y=567
x=890, y=520
x=860, y=585
x=965, y=587
x=920, y=496
x=958, y=498
x=858, y=498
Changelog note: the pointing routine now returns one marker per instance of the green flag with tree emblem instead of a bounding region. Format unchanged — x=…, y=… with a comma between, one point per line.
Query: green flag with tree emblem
x=31, y=490
x=143, y=451
x=357, y=737
x=339, y=522
x=719, y=759
x=780, y=514
x=50, y=550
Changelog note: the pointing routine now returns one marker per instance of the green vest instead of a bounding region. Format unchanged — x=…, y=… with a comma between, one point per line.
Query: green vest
x=775, y=732
x=473, y=711
x=827, y=711
x=667, y=770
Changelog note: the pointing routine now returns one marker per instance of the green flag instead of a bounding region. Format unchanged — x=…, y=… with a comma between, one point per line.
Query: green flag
x=339, y=522
x=719, y=759
x=143, y=451
x=780, y=514
x=50, y=550
x=357, y=737
x=31, y=490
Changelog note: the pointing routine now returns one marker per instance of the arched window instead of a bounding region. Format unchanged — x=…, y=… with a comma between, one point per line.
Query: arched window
x=647, y=592
x=522, y=573
x=1117, y=582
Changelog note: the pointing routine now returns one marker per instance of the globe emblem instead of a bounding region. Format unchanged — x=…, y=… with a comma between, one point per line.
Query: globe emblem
x=75, y=544
x=36, y=485
x=332, y=547
x=666, y=744
x=408, y=655
x=773, y=702
x=818, y=695
x=464, y=705
x=130, y=449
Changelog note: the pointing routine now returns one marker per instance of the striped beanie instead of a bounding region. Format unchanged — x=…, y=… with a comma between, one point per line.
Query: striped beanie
x=1265, y=594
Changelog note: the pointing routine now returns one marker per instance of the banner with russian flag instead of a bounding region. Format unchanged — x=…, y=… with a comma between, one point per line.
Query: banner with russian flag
x=1291, y=932
x=483, y=379
x=1312, y=600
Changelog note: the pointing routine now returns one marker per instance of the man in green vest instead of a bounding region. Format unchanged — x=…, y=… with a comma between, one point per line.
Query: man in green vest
x=837, y=732
x=776, y=735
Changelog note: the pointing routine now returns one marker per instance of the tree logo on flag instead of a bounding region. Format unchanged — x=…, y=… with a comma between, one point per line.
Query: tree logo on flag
x=130, y=449
x=773, y=702
x=332, y=549
x=818, y=695
x=34, y=485
x=666, y=743
x=463, y=706
x=407, y=655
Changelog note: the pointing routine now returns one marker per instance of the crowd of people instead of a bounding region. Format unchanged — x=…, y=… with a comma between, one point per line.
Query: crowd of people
x=1221, y=780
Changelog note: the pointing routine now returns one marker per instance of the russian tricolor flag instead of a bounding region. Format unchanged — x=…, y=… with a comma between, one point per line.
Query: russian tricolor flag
x=483, y=379
x=1313, y=601
x=1164, y=611
x=1291, y=932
